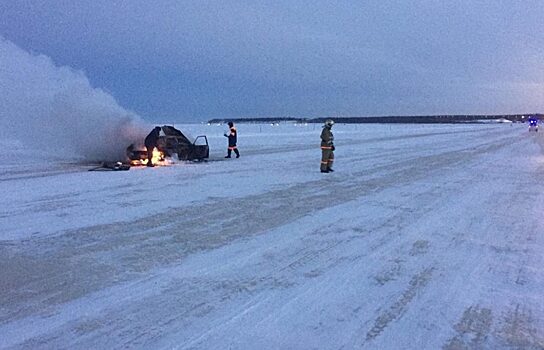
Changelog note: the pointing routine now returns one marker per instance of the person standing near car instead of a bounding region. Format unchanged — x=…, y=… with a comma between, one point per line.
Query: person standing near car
x=151, y=143
x=233, y=138
x=327, y=147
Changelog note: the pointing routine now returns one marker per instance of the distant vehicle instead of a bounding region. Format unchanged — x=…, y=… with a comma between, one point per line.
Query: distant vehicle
x=533, y=124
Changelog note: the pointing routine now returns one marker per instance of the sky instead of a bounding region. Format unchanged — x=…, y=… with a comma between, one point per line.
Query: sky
x=177, y=61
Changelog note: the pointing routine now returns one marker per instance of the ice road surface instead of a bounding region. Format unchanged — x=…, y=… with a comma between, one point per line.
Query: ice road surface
x=425, y=237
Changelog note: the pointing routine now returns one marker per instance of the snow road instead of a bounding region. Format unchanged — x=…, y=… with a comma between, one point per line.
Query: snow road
x=425, y=237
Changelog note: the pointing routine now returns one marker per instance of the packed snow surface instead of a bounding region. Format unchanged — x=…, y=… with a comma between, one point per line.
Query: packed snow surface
x=425, y=237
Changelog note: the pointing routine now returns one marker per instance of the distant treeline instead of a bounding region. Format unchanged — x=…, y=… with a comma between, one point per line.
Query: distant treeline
x=428, y=119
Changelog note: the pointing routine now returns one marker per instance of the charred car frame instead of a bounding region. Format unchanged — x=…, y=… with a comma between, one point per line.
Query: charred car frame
x=172, y=142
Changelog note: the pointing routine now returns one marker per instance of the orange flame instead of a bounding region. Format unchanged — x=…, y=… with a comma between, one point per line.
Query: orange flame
x=157, y=159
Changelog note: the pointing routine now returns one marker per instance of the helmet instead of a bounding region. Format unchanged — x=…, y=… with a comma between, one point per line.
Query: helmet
x=329, y=122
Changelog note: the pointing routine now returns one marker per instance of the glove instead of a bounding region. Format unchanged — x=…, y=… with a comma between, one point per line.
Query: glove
x=225, y=135
x=333, y=148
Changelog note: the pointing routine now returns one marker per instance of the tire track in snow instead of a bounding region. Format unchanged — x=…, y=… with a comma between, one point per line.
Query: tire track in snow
x=472, y=330
x=516, y=329
x=395, y=311
x=479, y=328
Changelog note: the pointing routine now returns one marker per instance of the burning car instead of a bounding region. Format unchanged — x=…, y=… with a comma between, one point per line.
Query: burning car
x=175, y=142
x=171, y=142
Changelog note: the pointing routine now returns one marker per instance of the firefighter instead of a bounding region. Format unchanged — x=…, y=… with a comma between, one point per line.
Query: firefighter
x=327, y=147
x=233, y=137
x=150, y=143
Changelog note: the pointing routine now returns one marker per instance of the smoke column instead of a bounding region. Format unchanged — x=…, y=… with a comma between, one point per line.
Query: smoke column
x=55, y=109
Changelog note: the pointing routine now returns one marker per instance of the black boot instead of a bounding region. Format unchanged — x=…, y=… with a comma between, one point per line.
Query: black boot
x=237, y=153
x=325, y=171
x=330, y=170
x=228, y=154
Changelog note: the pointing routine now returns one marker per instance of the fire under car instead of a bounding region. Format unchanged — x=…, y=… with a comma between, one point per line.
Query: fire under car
x=172, y=142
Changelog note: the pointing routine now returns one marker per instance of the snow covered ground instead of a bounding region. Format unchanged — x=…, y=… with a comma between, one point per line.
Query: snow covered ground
x=425, y=237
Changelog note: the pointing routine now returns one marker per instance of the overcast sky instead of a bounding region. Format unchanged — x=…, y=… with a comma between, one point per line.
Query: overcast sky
x=173, y=60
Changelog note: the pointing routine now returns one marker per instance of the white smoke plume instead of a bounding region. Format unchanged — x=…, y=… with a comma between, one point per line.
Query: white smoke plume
x=55, y=109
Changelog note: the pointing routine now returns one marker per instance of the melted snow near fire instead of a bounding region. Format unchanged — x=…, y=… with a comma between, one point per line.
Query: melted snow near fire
x=425, y=237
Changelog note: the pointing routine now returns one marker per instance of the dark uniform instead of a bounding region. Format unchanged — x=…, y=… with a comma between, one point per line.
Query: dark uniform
x=151, y=143
x=233, y=138
x=327, y=147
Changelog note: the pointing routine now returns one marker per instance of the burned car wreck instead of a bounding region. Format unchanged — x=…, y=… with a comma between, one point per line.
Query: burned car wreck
x=171, y=142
